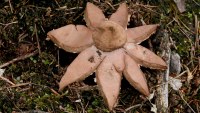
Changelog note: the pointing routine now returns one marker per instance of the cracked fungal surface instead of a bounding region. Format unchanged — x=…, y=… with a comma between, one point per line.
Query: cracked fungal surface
x=108, y=47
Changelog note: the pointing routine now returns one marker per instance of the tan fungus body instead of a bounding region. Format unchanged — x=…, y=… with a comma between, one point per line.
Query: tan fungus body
x=108, y=47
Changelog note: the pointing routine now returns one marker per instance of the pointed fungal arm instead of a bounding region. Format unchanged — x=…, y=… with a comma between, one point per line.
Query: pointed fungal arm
x=144, y=56
x=109, y=74
x=120, y=16
x=141, y=33
x=84, y=64
x=134, y=76
x=71, y=38
x=93, y=16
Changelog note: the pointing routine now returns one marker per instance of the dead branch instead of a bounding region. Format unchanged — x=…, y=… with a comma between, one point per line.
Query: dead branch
x=162, y=91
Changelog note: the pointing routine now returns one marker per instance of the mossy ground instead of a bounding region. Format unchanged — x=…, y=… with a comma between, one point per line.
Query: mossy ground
x=24, y=23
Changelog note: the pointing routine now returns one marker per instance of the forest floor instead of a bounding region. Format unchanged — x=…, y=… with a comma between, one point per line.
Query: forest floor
x=31, y=84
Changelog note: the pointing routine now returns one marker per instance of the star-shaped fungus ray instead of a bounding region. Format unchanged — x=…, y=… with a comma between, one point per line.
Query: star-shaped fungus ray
x=144, y=56
x=108, y=76
x=135, y=76
x=84, y=64
x=72, y=38
x=93, y=16
x=120, y=16
x=139, y=34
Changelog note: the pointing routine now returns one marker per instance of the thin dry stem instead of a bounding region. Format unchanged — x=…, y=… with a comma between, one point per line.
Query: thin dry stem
x=19, y=58
x=181, y=95
x=132, y=107
x=9, y=23
x=36, y=35
x=7, y=80
x=15, y=86
x=11, y=8
x=68, y=9
x=196, y=31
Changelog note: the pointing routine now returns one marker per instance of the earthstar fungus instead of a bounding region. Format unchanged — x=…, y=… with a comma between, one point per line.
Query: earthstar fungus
x=110, y=48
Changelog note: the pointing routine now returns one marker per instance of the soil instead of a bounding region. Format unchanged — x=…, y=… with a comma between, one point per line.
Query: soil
x=34, y=80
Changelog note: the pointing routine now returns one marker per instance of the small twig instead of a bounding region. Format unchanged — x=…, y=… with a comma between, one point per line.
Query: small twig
x=19, y=58
x=110, y=5
x=15, y=85
x=196, y=31
x=181, y=95
x=196, y=2
x=44, y=8
x=172, y=43
x=11, y=8
x=9, y=23
x=7, y=80
x=186, y=27
x=19, y=85
x=78, y=16
x=145, y=6
x=197, y=108
x=132, y=107
x=36, y=35
x=148, y=7
x=22, y=36
x=66, y=8
x=55, y=92
x=57, y=3
x=43, y=29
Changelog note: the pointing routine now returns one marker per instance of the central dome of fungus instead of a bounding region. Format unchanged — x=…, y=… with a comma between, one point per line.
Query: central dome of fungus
x=109, y=36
